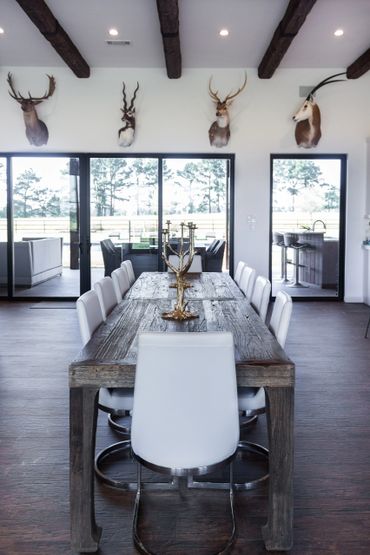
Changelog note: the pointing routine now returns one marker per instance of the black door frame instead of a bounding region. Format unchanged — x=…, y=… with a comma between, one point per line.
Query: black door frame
x=342, y=218
x=84, y=166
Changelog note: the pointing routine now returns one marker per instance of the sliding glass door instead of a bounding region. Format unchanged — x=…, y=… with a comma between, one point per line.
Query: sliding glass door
x=71, y=219
x=131, y=197
x=3, y=229
x=45, y=226
x=308, y=225
x=197, y=190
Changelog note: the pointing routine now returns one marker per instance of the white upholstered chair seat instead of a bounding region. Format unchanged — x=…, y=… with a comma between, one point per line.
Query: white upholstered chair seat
x=185, y=417
x=106, y=294
x=127, y=265
x=121, y=282
x=261, y=296
x=239, y=271
x=251, y=400
x=190, y=428
x=117, y=400
x=247, y=281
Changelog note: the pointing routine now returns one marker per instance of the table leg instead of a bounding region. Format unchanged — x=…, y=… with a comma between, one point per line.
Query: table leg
x=85, y=534
x=278, y=532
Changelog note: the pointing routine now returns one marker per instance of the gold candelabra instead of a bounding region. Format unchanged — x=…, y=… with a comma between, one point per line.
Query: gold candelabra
x=185, y=259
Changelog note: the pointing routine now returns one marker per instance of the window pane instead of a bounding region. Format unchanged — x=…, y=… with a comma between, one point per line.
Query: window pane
x=124, y=214
x=46, y=228
x=3, y=230
x=305, y=225
x=196, y=190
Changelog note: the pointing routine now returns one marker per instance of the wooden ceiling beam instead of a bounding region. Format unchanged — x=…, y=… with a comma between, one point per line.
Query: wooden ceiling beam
x=286, y=31
x=168, y=11
x=43, y=18
x=359, y=66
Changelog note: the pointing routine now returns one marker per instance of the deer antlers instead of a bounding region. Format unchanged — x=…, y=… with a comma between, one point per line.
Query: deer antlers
x=229, y=97
x=36, y=100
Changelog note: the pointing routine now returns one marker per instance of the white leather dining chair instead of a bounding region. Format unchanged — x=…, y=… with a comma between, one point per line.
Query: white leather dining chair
x=106, y=294
x=252, y=400
x=261, y=296
x=192, y=433
x=195, y=267
x=127, y=264
x=239, y=271
x=117, y=402
x=121, y=283
x=247, y=281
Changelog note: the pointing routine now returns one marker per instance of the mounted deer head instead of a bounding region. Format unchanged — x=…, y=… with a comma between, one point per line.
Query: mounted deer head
x=308, y=117
x=126, y=134
x=219, y=132
x=36, y=130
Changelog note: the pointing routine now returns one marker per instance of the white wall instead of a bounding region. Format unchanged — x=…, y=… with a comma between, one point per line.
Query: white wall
x=174, y=116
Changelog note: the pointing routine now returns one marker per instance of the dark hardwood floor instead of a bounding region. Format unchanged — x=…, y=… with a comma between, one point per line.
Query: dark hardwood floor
x=332, y=438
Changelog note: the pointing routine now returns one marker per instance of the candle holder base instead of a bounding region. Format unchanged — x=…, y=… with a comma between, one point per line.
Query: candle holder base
x=179, y=315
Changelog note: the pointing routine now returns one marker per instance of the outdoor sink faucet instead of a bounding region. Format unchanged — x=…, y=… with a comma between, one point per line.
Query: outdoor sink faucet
x=316, y=222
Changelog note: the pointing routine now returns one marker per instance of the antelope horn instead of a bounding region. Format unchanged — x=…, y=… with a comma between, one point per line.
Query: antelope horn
x=124, y=97
x=134, y=97
x=232, y=96
x=213, y=94
x=326, y=82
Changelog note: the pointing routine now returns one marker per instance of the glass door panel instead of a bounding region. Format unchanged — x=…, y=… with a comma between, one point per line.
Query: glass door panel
x=123, y=214
x=307, y=202
x=3, y=230
x=197, y=190
x=46, y=226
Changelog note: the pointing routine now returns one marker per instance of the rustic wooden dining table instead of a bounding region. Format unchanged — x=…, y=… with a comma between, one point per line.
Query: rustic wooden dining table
x=109, y=358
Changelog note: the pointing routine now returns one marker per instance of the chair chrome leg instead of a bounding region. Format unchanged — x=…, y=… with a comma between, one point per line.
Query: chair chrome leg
x=259, y=450
x=136, y=537
x=367, y=328
x=135, y=534
x=231, y=539
x=104, y=454
x=112, y=421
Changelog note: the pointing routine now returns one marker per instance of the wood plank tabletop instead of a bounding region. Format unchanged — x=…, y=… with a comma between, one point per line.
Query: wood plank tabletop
x=207, y=285
x=109, y=358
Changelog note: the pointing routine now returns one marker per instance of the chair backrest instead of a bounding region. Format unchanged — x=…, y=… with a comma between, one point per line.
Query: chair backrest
x=89, y=314
x=121, y=283
x=247, y=281
x=127, y=264
x=193, y=426
x=111, y=256
x=261, y=296
x=196, y=265
x=239, y=271
x=212, y=246
x=280, y=317
x=106, y=295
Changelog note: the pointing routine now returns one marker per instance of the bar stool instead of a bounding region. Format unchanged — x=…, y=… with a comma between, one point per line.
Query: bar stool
x=278, y=239
x=291, y=241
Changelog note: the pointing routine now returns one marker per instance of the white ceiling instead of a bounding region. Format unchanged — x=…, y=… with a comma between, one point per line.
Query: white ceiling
x=251, y=24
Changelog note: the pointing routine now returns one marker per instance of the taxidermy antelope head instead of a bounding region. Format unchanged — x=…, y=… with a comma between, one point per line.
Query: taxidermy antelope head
x=36, y=130
x=127, y=133
x=308, y=118
x=219, y=132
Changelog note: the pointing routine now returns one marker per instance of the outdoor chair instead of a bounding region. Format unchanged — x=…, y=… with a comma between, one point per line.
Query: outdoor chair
x=112, y=256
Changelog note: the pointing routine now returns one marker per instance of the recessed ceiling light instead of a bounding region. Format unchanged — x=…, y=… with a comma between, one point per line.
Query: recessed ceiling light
x=339, y=32
x=224, y=32
x=113, y=32
x=1, y=31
